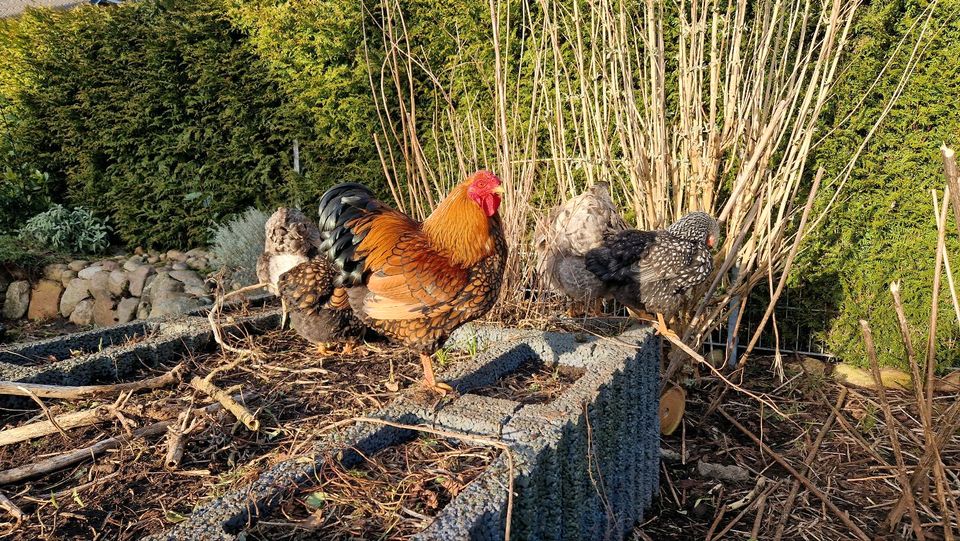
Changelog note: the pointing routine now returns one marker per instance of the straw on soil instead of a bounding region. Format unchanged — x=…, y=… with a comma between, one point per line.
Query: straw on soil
x=851, y=462
x=128, y=492
x=389, y=496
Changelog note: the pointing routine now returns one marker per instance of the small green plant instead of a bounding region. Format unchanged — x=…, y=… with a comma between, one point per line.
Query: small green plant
x=72, y=230
x=237, y=244
x=16, y=254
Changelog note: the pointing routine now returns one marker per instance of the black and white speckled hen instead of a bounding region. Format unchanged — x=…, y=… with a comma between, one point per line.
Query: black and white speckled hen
x=656, y=271
x=569, y=231
x=291, y=258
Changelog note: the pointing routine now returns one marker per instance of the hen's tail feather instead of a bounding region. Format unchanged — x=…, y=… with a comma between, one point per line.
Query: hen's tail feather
x=338, y=207
x=308, y=286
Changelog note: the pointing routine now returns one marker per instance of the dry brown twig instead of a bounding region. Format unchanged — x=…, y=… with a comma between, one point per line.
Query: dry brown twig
x=229, y=403
x=799, y=476
x=699, y=358
x=447, y=434
x=811, y=456
x=87, y=391
x=177, y=438
x=902, y=477
x=70, y=458
x=15, y=512
x=214, y=313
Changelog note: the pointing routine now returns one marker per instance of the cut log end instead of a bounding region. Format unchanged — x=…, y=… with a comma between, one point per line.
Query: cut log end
x=673, y=403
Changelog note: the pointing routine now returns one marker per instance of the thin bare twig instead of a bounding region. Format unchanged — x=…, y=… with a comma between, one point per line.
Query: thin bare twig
x=811, y=456
x=86, y=391
x=800, y=477
x=891, y=432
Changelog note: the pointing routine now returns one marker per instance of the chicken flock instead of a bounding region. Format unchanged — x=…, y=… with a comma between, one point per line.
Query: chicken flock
x=364, y=268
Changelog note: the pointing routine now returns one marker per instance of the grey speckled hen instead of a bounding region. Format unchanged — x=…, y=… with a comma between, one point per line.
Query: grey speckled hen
x=569, y=231
x=656, y=271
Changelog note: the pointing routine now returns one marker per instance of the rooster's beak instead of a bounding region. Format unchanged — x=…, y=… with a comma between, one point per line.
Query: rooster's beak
x=499, y=190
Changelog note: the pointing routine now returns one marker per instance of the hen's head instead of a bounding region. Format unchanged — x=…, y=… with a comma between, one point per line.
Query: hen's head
x=486, y=190
x=697, y=227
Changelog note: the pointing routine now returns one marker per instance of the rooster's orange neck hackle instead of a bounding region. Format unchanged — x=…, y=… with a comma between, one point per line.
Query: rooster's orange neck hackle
x=460, y=225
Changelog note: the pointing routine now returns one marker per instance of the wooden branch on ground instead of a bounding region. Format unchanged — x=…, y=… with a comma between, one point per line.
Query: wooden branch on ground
x=177, y=439
x=811, y=456
x=65, y=421
x=70, y=458
x=902, y=477
x=800, y=477
x=229, y=403
x=14, y=511
x=15, y=388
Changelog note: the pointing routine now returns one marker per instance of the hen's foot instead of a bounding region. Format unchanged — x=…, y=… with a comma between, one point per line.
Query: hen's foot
x=323, y=349
x=663, y=330
x=351, y=348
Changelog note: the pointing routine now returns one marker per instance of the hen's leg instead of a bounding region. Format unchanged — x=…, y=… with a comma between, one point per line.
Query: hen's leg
x=428, y=377
x=662, y=328
x=283, y=312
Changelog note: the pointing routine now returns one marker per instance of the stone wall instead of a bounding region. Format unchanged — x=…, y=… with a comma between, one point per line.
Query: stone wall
x=112, y=290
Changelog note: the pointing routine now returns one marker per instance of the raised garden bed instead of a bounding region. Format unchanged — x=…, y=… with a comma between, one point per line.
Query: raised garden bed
x=232, y=480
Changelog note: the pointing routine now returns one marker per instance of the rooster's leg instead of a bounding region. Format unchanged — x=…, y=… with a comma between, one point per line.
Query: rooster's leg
x=283, y=312
x=438, y=386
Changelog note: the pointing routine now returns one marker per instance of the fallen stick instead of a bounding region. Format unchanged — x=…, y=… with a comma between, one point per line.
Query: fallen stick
x=811, y=456
x=70, y=458
x=237, y=409
x=14, y=511
x=66, y=421
x=950, y=421
x=902, y=477
x=800, y=477
x=16, y=388
x=177, y=439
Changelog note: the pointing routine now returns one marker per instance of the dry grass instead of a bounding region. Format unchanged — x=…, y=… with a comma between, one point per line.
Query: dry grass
x=699, y=105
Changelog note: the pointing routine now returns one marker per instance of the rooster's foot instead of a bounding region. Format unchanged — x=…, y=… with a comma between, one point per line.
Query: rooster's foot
x=430, y=382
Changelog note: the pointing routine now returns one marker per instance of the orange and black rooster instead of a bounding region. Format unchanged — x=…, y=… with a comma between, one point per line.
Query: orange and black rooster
x=410, y=281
